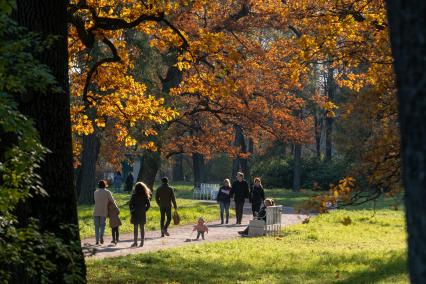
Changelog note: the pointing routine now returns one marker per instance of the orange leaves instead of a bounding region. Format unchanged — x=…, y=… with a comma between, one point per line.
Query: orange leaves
x=341, y=192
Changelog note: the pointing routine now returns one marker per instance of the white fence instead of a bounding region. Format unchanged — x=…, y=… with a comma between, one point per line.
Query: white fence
x=206, y=191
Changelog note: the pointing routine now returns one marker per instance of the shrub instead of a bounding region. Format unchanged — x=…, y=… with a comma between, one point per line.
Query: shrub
x=315, y=174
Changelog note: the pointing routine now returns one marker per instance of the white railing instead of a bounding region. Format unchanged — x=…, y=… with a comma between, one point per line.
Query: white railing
x=206, y=191
x=273, y=220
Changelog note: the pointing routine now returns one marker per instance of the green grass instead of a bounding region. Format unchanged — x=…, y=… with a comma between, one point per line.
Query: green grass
x=288, y=197
x=372, y=249
x=189, y=211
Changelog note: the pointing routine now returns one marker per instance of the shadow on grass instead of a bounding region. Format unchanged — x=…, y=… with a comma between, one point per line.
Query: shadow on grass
x=396, y=266
x=192, y=267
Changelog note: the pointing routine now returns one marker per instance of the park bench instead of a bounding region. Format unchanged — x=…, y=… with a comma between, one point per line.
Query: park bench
x=206, y=191
x=272, y=226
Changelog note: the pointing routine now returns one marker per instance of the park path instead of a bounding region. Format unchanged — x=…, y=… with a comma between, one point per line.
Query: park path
x=179, y=236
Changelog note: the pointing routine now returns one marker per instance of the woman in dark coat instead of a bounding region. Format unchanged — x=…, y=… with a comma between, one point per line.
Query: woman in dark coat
x=139, y=204
x=129, y=182
x=257, y=196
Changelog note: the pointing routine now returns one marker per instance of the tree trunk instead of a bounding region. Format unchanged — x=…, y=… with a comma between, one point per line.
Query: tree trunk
x=86, y=178
x=51, y=115
x=297, y=171
x=407, y=21
x=150, y=164
x=331, y=89
x=199, y=168
x=240, y=164
x=318, y=132
x=178, y=168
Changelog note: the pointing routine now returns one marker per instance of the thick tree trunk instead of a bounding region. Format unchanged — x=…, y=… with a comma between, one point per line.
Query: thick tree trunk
x=199, y=168
x=51, y=115
x=178, y=168
x=297, y=171
x=150, y=164
x=331, y=89
x=407, y=20
x=86, y=178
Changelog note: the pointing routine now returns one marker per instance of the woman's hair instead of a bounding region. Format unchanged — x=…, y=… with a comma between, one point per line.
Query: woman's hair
x=141, y=188
x=269, y=202
x=102, y=183
x=258, y=179
x=227, y=182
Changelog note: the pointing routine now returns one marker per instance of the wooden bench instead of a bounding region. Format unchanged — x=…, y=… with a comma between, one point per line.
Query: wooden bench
x=272, y=226
x=206, y=191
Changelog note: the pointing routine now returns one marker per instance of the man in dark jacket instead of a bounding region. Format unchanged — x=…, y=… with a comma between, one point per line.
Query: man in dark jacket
x=129, y=182
x=239, y=191
x=165, y=197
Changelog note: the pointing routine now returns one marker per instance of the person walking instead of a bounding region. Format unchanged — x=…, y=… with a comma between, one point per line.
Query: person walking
x=129, y=182
x=118, y=179
x=100, y=211
x=114, y=221
x=239, y=191
x=201, y=228
x=224, y=199
x=139, y=204
x=257, y=196
x=165, y=197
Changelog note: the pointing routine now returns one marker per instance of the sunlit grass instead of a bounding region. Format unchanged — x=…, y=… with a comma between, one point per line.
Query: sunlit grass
x=371, y=249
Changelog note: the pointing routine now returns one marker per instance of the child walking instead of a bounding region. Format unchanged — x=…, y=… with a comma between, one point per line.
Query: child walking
x=114, y=221
x=201, y=228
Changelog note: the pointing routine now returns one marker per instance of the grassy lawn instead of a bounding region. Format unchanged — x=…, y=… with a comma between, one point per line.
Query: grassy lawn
x=189, y=211
x=288, y=197
x=371, y=249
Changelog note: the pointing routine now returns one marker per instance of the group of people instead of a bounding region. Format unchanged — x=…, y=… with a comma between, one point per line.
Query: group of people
x=240, y=191
x=118, y=180
x=139, y=204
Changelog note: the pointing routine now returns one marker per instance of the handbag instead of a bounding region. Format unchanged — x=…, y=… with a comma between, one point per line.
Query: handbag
x=176, y=218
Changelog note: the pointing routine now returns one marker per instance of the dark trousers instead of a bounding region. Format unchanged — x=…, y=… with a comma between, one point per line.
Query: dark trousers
x=115, y=234
x=239, y=206
x=165, y=212
x=255, y=208
x=200, y=233
x=135, y=232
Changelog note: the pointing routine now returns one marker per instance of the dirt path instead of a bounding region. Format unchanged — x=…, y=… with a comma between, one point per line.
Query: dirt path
x=179, y=236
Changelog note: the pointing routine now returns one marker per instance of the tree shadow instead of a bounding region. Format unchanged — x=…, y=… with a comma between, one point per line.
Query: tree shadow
x=192, y=267
x=395, y=266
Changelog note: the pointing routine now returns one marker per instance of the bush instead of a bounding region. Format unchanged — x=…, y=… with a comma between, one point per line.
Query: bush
x=316, y=174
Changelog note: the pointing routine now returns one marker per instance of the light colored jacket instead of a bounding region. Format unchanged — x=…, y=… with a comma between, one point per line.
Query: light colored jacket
x=102, y=197
x=113, y=212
